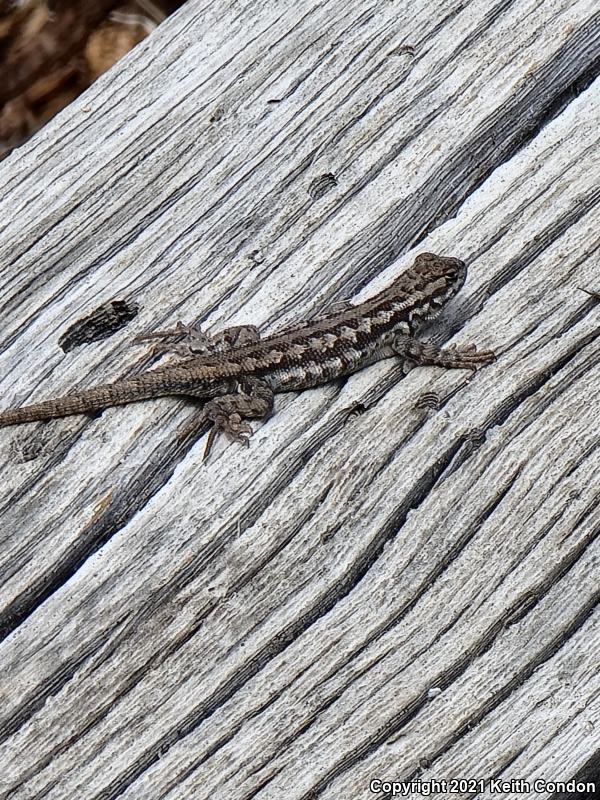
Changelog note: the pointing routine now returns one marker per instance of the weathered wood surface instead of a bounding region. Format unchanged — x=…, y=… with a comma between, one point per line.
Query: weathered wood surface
x=399, y=593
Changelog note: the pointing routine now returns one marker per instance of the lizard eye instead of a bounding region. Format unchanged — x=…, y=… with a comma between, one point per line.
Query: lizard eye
x=458, y=265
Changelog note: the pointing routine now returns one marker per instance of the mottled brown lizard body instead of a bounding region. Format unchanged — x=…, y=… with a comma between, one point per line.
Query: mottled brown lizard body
x=238, y=372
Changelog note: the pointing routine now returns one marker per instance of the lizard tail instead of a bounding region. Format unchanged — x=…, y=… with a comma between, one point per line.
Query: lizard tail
x=80, y=403
x=97, y=398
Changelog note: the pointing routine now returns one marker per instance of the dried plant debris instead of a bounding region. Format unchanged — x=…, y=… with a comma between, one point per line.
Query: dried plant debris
x=52, y=50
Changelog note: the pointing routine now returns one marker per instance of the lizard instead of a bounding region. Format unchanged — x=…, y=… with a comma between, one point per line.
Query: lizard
x=238, y=371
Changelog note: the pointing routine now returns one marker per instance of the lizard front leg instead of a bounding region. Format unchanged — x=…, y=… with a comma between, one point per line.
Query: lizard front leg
x=190, y=341
x=229, y=413
x=417, y=353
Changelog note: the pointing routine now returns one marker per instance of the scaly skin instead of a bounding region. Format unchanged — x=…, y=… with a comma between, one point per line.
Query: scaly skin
x=238, y=372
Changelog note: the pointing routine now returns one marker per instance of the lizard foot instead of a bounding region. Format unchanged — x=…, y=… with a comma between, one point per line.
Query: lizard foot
x=229, y=412
x=466, y=356
x=232, y=425
x=419, y=354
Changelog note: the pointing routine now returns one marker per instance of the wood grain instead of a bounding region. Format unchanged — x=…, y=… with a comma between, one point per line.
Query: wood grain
x=375, y=589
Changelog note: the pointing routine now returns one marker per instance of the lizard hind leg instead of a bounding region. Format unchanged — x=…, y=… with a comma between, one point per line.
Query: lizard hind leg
x=188, y=340
x=230, y=412
x=183, y=340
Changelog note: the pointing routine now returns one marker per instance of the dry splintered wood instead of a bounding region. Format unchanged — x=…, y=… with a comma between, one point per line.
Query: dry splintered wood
x=380, y=588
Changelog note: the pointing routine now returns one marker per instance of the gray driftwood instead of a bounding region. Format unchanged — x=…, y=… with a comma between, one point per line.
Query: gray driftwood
x=398, y=580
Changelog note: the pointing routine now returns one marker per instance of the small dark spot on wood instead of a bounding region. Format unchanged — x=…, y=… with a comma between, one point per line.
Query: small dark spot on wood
x=273, y=101
x=31, y=450
x=321, y=185
x=355, y=411
x=403, y=49
x=476, y=437
x=428, y=400
x=473, y=441
x=217, y=115
x=256, y=257
x=103, y=322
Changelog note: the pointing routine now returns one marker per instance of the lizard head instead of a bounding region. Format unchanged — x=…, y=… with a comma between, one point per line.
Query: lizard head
x=439, y=278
